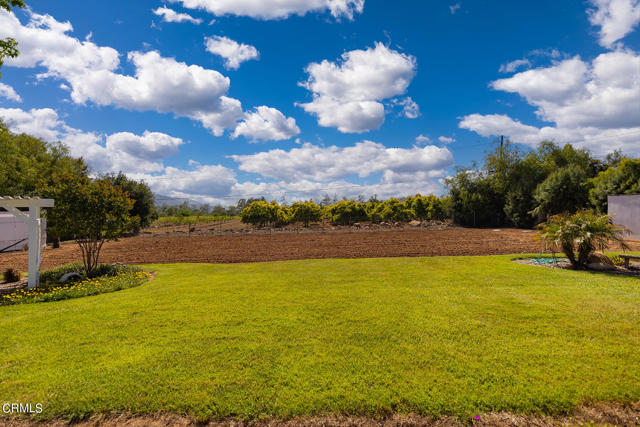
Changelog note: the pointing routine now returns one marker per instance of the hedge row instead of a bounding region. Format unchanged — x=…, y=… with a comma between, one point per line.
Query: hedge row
x=348, y=212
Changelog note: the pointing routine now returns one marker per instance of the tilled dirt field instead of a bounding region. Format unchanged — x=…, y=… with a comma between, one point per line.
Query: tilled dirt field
x=278, y=247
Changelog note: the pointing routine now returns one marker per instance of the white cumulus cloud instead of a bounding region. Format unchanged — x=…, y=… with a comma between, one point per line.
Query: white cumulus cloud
x=446, y=139
x=233, y=52
x=159, y=84
x=276, y=9
x=9, y=93
x=592, y=105
x=513, y=66
x=616, y=19
x=312, y=162
x=347, y=94
x=267, y=124
x=170, y=15
x=123, y=151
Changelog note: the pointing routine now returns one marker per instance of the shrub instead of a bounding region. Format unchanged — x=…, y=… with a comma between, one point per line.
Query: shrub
x=11, y=275
x=393, y=210
x=306, y=212
x=616, y=260
x=583, y=232
x=346, y=212
x=261, y=213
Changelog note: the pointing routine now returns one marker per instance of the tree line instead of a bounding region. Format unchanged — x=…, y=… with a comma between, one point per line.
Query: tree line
x=512, y=187
x=522, y=188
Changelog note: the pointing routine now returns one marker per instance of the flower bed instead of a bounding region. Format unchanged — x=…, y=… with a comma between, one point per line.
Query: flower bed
x=84, y=288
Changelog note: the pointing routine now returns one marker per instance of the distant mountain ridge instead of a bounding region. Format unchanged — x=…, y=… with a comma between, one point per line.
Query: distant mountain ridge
x=161, y=200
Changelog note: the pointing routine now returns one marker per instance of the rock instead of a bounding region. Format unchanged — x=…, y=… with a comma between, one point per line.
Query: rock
x=356, y=224
x=70, y=277
x=415, y=223
x=599, y=258
x=600, y=262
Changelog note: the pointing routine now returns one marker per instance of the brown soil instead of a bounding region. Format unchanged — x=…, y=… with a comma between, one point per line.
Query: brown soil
x=599, y=415
x=289, y=246
x=235, y=226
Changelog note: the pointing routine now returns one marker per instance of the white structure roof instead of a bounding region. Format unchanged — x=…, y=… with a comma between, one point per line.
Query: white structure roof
x=22, y=201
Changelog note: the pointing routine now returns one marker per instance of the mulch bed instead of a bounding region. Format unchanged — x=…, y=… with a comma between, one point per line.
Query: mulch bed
x=7, y=288
x=564, y=264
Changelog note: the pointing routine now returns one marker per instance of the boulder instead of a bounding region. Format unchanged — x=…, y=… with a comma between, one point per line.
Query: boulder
x=599, y=258
x=599, y=261
x=415, y=223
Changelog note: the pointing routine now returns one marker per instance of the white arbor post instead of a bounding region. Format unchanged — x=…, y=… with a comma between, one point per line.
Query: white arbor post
x=34, y=223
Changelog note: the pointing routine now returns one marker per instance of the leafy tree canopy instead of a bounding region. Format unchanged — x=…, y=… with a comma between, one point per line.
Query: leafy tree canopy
x=27, y=163
x=621, y=179
x=8, y=46
x=144, y=206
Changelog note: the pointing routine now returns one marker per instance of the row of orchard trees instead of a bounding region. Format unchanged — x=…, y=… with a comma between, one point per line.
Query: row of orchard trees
x=348, y=212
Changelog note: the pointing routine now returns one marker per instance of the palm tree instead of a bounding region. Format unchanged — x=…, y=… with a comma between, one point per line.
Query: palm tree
x=583, y=232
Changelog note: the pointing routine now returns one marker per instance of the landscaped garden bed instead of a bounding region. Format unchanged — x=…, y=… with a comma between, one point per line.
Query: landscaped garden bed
x=106, y=278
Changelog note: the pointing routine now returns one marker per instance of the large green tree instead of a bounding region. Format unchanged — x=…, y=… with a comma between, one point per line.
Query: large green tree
x=563, y=191
x=622, y=179
x=8, y=46
x=89, y=211
x=476, y=199
x=27, y=163
x=144, y=206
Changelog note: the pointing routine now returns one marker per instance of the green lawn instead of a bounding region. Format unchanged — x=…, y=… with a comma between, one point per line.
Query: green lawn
x=445, y=335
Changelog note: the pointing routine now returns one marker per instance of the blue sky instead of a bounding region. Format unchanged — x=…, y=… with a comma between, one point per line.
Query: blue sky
x=221, y=99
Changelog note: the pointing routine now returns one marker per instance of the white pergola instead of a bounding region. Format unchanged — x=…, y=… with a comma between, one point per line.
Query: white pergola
x=32, y=218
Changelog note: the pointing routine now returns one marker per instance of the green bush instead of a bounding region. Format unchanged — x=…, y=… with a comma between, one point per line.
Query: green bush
x=260, y=213
x=306, y=212
x=346, y=212
x=12, y=275
x=393, y=210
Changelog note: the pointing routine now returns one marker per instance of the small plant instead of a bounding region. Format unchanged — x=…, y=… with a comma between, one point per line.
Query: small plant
x=581, y=234
x=616, y=260
x=11, y=275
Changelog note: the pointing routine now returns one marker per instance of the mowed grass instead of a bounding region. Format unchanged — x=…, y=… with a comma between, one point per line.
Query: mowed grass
x=456, y=336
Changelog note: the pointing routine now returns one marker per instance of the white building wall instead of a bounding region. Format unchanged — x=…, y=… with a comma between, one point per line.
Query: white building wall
x=14, y=229
x=625, y=211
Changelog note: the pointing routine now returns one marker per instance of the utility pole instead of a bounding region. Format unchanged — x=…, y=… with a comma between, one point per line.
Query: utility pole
x=501, y=146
